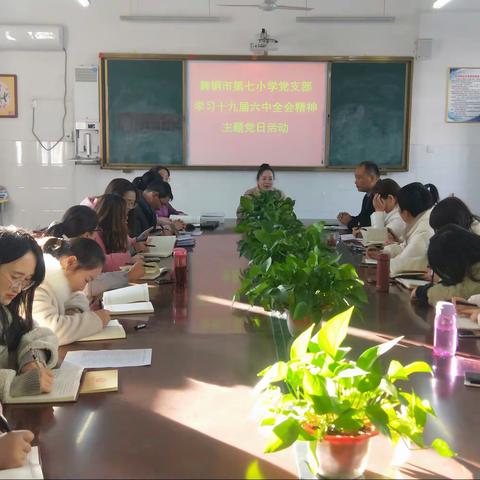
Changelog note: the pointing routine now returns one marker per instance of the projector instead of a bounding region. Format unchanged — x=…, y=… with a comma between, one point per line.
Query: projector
x=264, y=43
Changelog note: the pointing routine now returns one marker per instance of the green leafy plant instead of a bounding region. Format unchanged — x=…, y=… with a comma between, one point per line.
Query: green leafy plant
x=291, y=267
x=319, y=392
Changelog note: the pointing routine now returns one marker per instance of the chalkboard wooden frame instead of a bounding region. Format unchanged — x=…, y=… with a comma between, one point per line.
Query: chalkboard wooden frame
x=105, y=161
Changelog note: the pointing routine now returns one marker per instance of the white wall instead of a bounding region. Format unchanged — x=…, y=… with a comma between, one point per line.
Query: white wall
x=43, y=184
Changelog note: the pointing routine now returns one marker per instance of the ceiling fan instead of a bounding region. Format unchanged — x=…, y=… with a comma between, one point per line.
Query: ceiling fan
x=267, y=6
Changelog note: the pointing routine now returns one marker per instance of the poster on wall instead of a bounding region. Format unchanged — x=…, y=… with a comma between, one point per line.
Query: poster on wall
x=8, y=96
x=463, y=102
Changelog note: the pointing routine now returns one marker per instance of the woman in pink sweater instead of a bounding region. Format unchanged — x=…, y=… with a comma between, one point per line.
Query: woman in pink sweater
x=113, y=235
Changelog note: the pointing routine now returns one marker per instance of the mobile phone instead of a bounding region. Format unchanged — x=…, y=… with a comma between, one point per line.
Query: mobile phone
x=144, y=235
x=465, y=333
x=472, y=379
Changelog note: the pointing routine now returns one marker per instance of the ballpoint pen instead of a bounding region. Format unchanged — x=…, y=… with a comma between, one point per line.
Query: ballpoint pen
x=39, y=363
x=4, y=426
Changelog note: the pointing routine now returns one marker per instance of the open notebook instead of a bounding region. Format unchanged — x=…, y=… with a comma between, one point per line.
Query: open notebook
x=31, y=469
x=152, y=271
x=411, y=283
x=163, y=246
x=65, y=387
x=128, y=300
x=112, y=331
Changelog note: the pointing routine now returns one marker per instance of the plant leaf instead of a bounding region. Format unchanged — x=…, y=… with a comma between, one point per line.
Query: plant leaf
x=379, y=418
x=442, y=447
x=369, y=356
x=417, y=367
x=275, y=373
x=286, y=433
x=300, y=311
x=253, y=471
x=369, y=382
x=300, y=345
x=333, y=332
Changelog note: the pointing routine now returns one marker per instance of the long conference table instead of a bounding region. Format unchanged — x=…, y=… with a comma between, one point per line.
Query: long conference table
x=189, y=414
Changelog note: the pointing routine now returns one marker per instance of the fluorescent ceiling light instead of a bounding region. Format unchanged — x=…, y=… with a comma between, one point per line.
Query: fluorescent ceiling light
x=312, y=19
x=440, y=3
x=84, y=3
x=171, y=18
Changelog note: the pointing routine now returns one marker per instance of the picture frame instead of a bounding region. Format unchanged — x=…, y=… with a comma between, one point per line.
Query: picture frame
x=8, y=96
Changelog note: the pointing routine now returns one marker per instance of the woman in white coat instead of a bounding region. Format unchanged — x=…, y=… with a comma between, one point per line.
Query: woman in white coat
x=59, y=302
x=415, y=203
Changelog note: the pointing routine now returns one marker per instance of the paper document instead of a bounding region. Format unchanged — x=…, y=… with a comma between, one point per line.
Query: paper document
x=195, y=219
x=347, y=237
x=369, y=261
x=31, y=469
x=163, y=246
x=411, y=283
x=110, y=358
x=466, y=323
x=65, y=386
x=100, y=381
x=134, y=293
x=130, y=308
x=112, y=331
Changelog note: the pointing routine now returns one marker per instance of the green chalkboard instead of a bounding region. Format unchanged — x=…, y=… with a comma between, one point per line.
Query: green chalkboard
x=369, y=114
x=142, y=112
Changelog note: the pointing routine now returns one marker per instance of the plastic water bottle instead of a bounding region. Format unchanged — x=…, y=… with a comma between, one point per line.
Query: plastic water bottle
x=445, y=335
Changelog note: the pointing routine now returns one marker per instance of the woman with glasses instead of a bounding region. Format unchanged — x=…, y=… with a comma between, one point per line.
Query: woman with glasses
x=59, y=302
x=32, y=349
x=82, y=221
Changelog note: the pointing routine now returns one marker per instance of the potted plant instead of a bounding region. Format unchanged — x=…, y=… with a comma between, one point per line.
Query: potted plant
x=337, y=405
x=299, y=274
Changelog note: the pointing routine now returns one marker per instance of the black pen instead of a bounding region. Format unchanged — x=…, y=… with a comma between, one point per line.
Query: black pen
x=4, y=426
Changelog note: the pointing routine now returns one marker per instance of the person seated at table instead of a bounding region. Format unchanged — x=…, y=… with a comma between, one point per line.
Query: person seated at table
x=387, y=212
x=82, y=221
x=265, y=180
x=452, y=210
x=367, y=175
x=123, y=188
x=158, y=172
x=415, y=203
x=59, y=302
x=156, y=194
x=22, y=270
x=433, y=190
x=453, y=255
x=112, y=234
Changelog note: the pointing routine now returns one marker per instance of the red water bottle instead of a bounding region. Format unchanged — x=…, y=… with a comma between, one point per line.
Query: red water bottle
x=180, y=266
x=383, y=272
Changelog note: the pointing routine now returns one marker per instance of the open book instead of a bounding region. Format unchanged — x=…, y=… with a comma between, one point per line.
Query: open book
x=466, y=323
x=374, y=236
x=163, y=246
x=411, y=283
x=31, y=469
x=128, y=300
x=65, y=387
x=152, y=270
x=194, y=219
x=112, y=331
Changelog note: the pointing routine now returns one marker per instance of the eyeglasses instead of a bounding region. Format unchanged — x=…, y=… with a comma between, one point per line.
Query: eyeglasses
x=23, y=285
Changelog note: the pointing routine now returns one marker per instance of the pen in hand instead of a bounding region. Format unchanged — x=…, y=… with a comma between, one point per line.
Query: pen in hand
x=4, y=426
x=38, y=362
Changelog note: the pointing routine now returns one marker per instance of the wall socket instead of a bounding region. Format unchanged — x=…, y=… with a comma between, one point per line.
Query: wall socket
x=68, y=137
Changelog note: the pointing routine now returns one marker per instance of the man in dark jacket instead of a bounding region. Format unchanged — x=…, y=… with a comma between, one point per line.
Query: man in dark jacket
x=148, y=202
x=366, y=176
